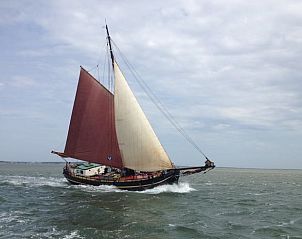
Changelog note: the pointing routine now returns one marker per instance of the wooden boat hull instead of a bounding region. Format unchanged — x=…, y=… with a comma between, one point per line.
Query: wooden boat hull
x=170, y=177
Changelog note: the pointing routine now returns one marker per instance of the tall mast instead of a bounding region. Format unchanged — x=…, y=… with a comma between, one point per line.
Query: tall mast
x=111, y=104
x=110, y=48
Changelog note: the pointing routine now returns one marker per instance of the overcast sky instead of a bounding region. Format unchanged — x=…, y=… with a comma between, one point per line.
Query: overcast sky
x=229, y=71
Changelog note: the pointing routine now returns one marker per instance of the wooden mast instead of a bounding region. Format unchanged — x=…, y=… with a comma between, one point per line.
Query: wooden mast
x=111, y=104
x=110, y=48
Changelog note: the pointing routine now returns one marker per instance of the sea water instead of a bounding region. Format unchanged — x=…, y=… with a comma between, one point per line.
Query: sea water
x=37, y=202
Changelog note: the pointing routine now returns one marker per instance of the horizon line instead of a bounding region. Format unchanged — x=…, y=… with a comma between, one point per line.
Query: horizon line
x=233, y=167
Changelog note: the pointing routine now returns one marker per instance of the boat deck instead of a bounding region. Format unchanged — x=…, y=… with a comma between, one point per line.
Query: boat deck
x=137, y=182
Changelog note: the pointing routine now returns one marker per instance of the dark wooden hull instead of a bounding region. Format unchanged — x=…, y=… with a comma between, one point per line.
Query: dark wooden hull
x=170, y=177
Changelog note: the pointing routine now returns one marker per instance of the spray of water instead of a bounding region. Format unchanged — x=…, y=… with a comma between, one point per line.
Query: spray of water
x=175, y=188
x=60, y=182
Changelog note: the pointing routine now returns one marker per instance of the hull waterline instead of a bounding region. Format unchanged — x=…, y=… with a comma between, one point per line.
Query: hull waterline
x=170, y=177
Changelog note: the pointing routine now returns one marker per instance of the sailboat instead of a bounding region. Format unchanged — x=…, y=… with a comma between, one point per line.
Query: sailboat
x=111, y=134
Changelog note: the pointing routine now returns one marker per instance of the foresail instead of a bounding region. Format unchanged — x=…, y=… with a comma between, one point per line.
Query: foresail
x=91, y=136
x=139, y=146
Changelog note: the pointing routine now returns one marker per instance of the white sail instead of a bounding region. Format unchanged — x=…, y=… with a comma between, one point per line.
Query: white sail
x=139, y=146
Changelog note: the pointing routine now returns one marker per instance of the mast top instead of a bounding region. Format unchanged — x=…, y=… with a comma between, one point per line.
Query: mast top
x=110, y=47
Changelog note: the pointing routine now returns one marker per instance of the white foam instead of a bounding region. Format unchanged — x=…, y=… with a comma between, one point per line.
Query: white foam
x=55, y=234
x=35, y=181
x=73, y=234
x=61, y=182
x=291, y=222
x=209, y=184
x=174, y=188
x=101, y=188
x=14, y=216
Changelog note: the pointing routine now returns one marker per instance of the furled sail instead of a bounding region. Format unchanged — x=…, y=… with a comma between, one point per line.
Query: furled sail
x=91, y=136
x=139, y=146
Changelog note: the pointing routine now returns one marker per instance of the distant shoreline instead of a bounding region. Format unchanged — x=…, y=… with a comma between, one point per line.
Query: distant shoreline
x=225, y=167
x=31, y=162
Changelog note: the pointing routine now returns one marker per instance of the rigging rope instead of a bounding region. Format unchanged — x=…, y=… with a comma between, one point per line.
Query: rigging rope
x=158, y=103
x=92, y=68
x=104, y=64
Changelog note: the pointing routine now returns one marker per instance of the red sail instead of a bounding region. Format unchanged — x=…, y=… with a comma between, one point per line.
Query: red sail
x=92, y=136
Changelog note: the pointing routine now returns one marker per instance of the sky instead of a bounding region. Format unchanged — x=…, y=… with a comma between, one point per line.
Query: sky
x=228, y=71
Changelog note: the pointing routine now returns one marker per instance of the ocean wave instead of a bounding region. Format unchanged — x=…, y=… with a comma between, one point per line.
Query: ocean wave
x=173, y=188
x=29, y=181
x=73, y=234
x=101, y=188
x=9, y=221
x=11, y=217
x=33, y=181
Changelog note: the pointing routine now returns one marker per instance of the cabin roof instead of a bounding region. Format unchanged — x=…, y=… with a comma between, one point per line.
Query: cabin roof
x=88, y=166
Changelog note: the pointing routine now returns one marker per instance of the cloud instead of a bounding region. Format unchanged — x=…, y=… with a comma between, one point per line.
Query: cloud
x=22, y=81
x=221, y=69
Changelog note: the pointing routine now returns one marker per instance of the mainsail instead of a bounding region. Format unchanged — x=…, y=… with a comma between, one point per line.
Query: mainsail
x=91, y=136
x=139, y=146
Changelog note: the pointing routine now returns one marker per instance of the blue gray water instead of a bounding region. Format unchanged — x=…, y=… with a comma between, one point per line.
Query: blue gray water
x=36, y=202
